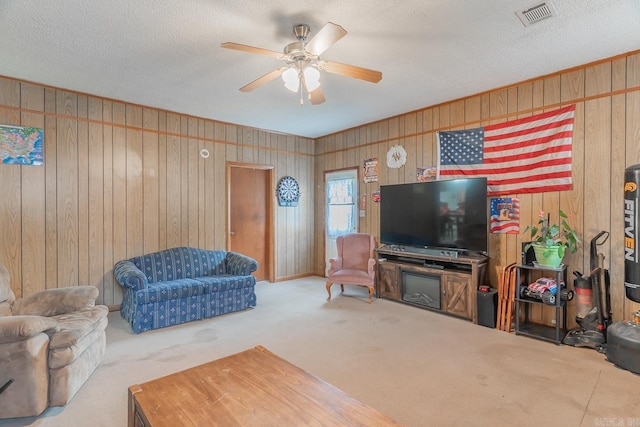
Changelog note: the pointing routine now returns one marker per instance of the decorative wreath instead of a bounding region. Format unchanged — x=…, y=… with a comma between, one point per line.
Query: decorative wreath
x=288, y=191
x=396, y=156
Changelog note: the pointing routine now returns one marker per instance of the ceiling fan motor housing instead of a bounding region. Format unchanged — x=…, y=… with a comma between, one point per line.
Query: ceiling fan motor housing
x=301, y=31
x=295, y=51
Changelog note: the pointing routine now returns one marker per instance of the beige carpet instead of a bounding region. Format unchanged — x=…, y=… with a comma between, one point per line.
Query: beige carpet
x=419, y=367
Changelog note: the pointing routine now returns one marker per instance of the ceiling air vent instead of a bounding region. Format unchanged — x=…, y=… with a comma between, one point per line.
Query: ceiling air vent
x=536, y=13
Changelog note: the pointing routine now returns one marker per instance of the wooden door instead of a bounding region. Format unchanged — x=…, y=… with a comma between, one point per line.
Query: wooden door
x=457, y=290
x=388, y=281
x=249, y=219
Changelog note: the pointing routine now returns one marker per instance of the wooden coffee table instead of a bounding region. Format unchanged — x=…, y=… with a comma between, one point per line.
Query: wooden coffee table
x=251, y=388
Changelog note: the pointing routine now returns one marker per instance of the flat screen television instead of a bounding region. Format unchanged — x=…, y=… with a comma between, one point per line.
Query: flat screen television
x=448, y=214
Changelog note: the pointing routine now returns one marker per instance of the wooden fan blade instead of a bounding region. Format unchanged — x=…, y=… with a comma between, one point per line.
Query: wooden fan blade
x=351, y=71
x=316, y=96
x=262, y=80
x=252, y=49
x=325, y=38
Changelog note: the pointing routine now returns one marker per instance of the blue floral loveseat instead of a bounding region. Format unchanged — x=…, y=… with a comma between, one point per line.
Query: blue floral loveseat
x=179, y=285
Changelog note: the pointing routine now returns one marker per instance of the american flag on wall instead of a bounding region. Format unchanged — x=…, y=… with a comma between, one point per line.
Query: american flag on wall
x=505, y=215
x=528, y=155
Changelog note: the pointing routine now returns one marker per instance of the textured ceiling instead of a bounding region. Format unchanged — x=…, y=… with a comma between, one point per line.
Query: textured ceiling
x=166, y=53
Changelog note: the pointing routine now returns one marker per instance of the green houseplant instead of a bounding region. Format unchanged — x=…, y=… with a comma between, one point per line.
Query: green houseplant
x=550, y=241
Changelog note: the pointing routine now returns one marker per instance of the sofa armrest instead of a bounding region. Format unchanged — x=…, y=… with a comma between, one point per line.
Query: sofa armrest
x=130, y=276
x=239, y=264
x=52, y=302
x=20, y=328
x=335, y=264
x=372, y=265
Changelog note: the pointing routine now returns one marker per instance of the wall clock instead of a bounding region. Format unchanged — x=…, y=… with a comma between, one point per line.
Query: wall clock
x=288, y=191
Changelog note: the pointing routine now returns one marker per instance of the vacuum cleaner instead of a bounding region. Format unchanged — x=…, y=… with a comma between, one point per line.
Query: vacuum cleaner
x=593, y=314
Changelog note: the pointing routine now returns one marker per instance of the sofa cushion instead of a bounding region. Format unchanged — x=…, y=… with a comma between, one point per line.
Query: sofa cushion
x=64, y=355
x=75, y=326
x=174, y=289
x=180, y=263
x=224, y=283
x=351, y=276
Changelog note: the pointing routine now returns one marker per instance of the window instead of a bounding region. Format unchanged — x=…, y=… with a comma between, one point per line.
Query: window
x=341, y=207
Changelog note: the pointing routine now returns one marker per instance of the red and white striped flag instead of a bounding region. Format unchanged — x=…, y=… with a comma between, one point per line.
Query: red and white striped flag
x=528, y=155
x=505, y=215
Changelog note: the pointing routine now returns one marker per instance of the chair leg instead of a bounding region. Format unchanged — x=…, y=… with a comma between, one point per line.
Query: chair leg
x=328, y=286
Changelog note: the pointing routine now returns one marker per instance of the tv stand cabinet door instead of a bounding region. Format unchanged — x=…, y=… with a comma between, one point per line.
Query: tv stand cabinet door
x=457, y=290
x=388, y=282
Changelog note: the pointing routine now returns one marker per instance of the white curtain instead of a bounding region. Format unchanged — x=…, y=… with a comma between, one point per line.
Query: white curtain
x=340, y=207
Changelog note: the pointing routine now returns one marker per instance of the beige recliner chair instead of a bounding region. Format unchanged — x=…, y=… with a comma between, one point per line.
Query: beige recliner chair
x=50, y=343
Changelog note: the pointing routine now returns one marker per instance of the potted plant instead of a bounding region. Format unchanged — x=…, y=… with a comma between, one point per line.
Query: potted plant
x=550, y=241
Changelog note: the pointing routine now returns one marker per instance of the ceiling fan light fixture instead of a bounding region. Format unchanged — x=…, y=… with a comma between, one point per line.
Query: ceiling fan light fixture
x=311, y=78
x=301, y=71
x=290, y=79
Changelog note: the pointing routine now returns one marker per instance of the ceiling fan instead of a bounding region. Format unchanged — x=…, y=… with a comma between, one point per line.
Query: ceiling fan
x=301, y=71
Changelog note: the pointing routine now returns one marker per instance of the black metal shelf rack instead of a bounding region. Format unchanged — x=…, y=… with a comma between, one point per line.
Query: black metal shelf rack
x=524, y=326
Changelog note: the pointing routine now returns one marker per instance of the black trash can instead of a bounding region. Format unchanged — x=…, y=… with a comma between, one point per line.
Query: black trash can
x=488, y=308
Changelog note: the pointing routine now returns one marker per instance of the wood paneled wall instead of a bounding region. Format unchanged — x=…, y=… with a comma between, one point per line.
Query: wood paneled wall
x=120, y=180
x=606, y=140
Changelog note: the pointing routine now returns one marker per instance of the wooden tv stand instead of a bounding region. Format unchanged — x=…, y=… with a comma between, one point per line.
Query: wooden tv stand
x=460, y=276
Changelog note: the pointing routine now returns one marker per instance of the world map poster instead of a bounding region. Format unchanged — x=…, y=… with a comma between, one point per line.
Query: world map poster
x=21, y=145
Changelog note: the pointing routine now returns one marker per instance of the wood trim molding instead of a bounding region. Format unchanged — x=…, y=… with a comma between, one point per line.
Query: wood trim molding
x=483, y=120
x=13, y=113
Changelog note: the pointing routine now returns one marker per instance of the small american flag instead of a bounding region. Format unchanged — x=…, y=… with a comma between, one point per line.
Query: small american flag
x=528, y=155
x=505, y=215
